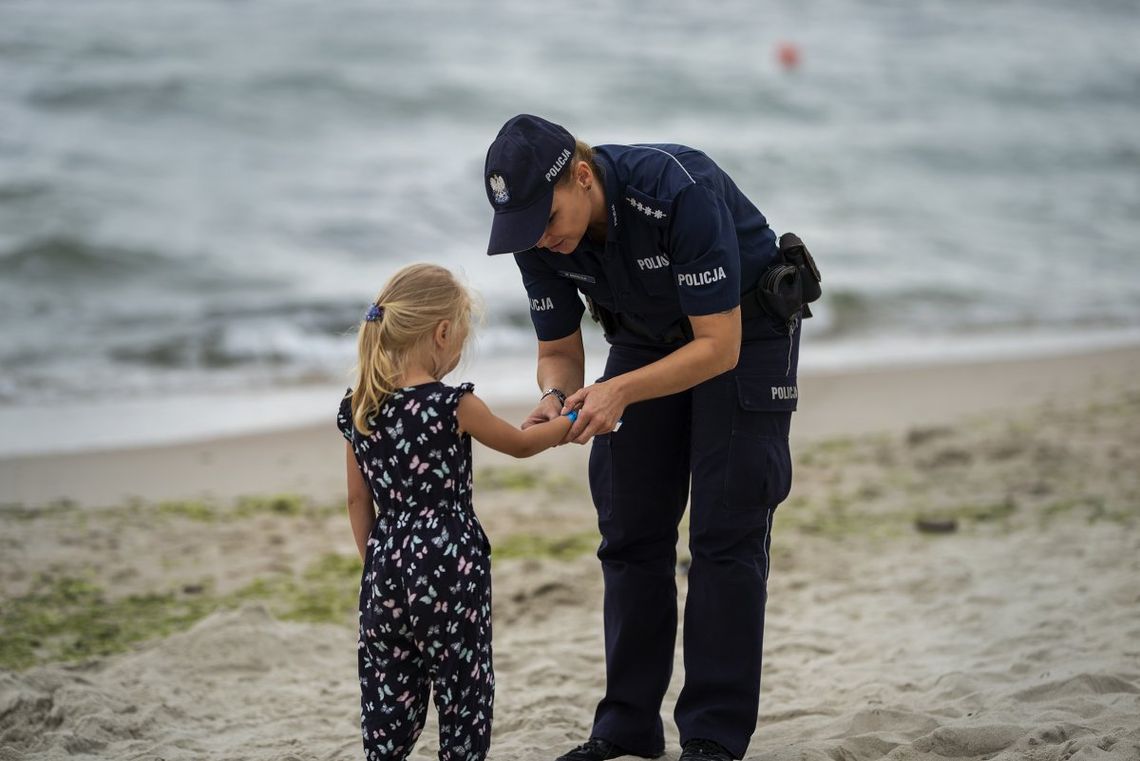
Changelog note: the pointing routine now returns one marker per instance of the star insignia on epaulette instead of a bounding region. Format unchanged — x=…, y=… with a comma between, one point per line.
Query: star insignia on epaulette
x=648, y=211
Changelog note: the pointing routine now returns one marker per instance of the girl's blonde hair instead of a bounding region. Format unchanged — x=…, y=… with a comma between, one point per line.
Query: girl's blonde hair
x=417, y=299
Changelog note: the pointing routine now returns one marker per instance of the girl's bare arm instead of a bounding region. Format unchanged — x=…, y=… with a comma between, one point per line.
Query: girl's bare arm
x=477, y=419
x=361, y=511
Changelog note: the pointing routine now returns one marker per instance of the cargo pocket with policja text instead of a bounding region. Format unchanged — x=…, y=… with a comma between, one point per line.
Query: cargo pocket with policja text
x=759, y=472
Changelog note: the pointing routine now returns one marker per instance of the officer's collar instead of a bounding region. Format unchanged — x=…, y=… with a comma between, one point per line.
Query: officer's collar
x=613, y=189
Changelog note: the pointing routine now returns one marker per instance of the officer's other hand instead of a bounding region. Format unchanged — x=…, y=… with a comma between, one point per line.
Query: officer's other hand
x=547, y=409
x=599, y=406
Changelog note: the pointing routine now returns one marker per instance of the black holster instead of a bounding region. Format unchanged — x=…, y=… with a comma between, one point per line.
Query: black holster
x=789, y=285
x=604, y=317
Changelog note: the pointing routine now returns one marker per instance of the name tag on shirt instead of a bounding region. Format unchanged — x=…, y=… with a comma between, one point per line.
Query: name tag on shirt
x=577, y=276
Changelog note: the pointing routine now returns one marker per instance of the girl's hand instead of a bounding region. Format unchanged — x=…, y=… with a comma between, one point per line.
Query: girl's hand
x=599, y=406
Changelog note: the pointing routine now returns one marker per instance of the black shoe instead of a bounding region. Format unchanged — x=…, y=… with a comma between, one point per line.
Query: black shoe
x=704, y=750
x=594, y=749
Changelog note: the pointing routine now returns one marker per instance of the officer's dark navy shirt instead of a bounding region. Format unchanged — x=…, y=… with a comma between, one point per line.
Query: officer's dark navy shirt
x=682, y=240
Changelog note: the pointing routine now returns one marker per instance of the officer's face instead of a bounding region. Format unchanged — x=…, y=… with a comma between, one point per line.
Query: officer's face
x=569, y=213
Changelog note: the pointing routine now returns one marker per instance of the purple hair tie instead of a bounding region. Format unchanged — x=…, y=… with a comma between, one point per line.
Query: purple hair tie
x=375, y=312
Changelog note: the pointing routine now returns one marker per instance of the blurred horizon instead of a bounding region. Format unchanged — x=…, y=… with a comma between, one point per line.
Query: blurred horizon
x=202, y=196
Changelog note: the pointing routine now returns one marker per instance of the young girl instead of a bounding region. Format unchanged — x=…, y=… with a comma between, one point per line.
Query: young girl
x=425, y=596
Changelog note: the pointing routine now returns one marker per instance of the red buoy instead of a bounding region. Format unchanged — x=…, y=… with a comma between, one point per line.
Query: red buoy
x=788, y=55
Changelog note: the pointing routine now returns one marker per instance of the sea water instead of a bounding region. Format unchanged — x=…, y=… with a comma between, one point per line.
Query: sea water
x=201, y=197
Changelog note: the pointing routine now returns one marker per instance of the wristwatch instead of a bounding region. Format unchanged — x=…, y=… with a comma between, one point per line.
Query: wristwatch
x=556, y=393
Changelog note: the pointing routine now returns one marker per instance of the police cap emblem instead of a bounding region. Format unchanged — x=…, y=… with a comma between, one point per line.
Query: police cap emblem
x=499, y=188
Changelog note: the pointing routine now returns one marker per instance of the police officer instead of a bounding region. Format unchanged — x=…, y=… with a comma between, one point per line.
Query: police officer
x=698, y=392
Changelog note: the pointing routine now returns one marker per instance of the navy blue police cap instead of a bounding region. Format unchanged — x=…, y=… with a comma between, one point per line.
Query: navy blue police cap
x=523, y=164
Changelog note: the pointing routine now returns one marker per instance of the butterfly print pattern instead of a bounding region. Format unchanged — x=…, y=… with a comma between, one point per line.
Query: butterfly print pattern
x=425, y=595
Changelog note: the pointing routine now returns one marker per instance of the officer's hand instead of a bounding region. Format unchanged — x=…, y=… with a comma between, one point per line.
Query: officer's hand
x=547, y=409
x=599, y=406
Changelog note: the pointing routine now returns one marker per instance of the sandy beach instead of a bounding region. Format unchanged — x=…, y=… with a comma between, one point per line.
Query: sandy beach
x=955, y=575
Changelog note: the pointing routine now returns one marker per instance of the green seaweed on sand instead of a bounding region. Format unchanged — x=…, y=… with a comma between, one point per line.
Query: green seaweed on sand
x=277, y=504
x=560, y=547
x=826, y=451
x=1094, y=508
x=22, y=512
x=325, y=592
x=985, y=511
x=68, y=619
x=519, y=478
x=195, y=510
x=207, y=511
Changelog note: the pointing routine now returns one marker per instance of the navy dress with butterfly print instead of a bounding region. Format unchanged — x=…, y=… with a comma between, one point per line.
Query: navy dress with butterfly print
x=425, y=595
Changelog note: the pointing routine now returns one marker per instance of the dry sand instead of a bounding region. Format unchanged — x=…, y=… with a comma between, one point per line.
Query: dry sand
x=1015, y=636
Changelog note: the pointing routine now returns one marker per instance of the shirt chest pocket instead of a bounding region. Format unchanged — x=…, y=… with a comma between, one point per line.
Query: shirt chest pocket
x=649, y=262
x=652, y=269
x=655, y=276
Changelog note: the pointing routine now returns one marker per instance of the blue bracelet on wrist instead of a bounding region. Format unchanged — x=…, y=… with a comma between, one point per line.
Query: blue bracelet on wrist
x=572, y=415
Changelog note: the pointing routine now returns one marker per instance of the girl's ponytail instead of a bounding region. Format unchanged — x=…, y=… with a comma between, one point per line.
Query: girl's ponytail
x=377, y=371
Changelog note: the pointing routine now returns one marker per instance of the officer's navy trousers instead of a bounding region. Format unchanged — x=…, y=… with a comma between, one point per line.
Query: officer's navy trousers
x=725, y=438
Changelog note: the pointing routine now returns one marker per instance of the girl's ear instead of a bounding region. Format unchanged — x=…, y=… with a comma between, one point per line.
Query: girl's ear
x=442, y=331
